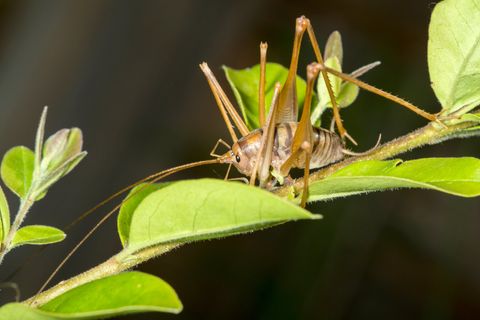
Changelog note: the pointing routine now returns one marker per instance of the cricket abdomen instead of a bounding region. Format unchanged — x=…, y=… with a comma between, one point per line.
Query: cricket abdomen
x=326, y=147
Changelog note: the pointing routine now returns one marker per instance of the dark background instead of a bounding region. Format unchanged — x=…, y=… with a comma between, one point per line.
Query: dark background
x=126, y=72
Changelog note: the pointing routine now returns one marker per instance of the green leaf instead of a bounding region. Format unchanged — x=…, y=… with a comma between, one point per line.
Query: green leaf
x=334, y=47
x=4, y=216
x=457, y=176
x=471, y=117
x=134, y=198
x=128, y=292
x=37, y=234
x=348, y=94
x=125, y=293
x=60, y=147
x=39, y=140
x=17, y=169
x=245, y=83
x=192, y=210
x=454, y=54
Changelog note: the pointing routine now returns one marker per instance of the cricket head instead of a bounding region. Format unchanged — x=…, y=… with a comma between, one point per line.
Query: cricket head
x=243, y=153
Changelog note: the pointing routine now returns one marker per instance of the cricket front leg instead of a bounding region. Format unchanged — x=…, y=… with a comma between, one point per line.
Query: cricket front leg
x=264, y=155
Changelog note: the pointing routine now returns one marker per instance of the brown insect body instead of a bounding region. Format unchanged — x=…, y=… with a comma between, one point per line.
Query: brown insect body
x=327, y=147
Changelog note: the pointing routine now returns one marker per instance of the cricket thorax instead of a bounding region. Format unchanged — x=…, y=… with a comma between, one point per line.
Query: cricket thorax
x=327, y=148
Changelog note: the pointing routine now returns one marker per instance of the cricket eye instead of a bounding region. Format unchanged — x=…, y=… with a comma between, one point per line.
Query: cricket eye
x=237, y=158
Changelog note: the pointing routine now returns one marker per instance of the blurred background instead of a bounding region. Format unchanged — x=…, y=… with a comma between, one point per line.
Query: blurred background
x=126, y=73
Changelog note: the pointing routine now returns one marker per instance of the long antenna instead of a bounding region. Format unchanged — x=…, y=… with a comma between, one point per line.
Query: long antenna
x=156, y=177
x=89, y=212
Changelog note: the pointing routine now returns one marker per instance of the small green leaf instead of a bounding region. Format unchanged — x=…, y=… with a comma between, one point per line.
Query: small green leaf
x=457, y=176
x=60, y=147
x=134, y=198
x=334, y=47
x=39, y=139
x=125, y=293
x=4, y=216
x=471, y=117
x=348, y=94
x=128, y=292
x=454, y=54
x=245, y=83
x=192, y=210
x=37, y=234
x=17, y=169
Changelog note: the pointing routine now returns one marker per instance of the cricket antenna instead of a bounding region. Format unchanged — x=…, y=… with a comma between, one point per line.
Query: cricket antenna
x=151, y=179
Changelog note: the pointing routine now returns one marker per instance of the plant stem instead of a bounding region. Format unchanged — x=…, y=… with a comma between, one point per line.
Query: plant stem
x=122, y=261
x=24, y=207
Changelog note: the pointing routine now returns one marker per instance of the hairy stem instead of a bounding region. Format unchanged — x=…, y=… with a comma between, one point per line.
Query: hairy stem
x=116, y=264
x=25, y=205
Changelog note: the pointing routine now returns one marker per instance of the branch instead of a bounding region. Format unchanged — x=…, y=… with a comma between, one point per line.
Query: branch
x=120, y=262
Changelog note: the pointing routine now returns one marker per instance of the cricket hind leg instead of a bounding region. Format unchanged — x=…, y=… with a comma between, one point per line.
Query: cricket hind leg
x=302, y=144
x=353, y=79
x=336, y=110
x=288, y=108
x=287, y=101
x=380, y=92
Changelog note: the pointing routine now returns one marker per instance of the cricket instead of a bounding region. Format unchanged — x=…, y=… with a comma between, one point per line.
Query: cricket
x=283, y=142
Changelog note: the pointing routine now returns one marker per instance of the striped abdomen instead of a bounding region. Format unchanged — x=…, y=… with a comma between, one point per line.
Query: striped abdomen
x=327, y=146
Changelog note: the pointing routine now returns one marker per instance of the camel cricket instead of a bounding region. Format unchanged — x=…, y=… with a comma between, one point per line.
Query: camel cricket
x=283, y=143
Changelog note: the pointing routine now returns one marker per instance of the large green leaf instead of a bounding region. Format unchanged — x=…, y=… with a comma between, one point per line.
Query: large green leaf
x=37, y=234
x=457, y=176
x=17, y=169
x=245, y=83
x=4, y=216
x=134, y=198
x=125, y=293
x=129, y=292
x=454, y=53
x=192, y=210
